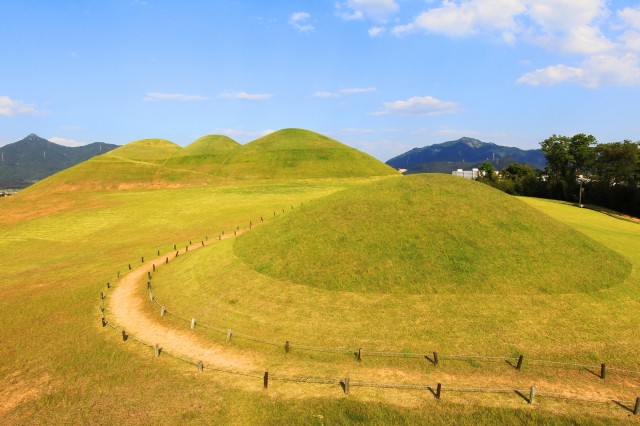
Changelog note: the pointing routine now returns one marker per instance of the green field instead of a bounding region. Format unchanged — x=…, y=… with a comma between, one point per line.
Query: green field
x=60, y=366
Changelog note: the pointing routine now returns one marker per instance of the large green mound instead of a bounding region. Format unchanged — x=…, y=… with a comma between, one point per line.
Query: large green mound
x=426, y=234
x=145, y=150
x=289, y=154
x=301, y=154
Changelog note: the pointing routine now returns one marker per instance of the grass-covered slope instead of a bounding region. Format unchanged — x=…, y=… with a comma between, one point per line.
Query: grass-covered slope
x=430, y=234
x=286, y=155
x=301, y=154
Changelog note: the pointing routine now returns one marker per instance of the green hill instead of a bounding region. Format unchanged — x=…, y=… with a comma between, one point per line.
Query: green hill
x=136, y=164
x=301, y=154
x=284, y=155
x=205, y=155
x=429, y=234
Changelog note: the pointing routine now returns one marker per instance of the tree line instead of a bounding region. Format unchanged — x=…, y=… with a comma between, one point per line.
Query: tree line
x=579, y=169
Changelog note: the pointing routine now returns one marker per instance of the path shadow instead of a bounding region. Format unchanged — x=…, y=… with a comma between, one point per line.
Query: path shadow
x=594, y=372
x=620, y=404
x=430, y=359
x=523, y=396
x=508, y=361
x=433, y=391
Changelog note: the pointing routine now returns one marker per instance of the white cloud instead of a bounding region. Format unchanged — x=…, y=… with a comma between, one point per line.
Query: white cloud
x=377, y=10
x=10, y=107
x=65, y=141
x=466, y=18
x=158, y=97
x=553, y=75
x=342, y=92
x=630, y=16
x=246, y=96
x=299, y=21
x=623, y=70
x=419, y=105
x=376, y=31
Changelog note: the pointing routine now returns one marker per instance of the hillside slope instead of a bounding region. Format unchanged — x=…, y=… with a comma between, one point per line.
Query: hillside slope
x=429, y=234
x=289, y=154
x=301, y=154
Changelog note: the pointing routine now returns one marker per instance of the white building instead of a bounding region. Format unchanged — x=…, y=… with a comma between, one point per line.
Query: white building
x=467, y=174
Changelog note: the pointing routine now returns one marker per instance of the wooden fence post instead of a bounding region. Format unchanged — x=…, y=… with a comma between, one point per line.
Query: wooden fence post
x=532, y=394
x=108, y=285
x=148, y=285
x=154, y=267
x=200, y=366
x=193, y=323
x=150, y=297
x=163, y=310
x=202, y=242
x=149, y=274
x=158, y=252
x=359, y=354
x=125, y=336
x=174, y=246
x=156, y=350
x=104, y=324
x=166, y=261
x=520, y=358
x=603, y=371
x=101, y=296
x=101, y=307
x=118, y=274
x=438, y=390
x=346, y=385
x=142, y=259
x=286, y=347
x=186, y=249
x=435, y=358
x=261, y=219
x=266, y=380
x=637, y=407
x=229, y=335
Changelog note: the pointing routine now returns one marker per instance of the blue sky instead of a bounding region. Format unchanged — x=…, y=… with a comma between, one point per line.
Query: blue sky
x=383, y=76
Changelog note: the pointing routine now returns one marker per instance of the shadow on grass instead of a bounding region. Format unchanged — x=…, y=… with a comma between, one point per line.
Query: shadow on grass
x=523, y=396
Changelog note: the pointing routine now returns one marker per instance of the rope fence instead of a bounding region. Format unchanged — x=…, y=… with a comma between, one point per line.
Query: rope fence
x=434, y=357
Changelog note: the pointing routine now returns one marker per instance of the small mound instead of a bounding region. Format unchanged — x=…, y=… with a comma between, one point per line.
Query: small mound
x=205, y=155
x=426, y=234
x=301, y=154
x=146, y=150
x=210, y=144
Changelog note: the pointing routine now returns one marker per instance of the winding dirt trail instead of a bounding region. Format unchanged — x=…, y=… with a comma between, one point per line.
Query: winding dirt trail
x=126, y=311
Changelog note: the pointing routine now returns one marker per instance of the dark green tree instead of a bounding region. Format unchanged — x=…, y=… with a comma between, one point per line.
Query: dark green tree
x=618, y=163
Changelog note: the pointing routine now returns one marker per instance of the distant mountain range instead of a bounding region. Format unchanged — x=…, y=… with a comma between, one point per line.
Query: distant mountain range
x=464, y=153
x=33, y=158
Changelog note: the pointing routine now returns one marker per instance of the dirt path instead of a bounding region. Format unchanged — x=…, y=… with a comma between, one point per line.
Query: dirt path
x=126, y=311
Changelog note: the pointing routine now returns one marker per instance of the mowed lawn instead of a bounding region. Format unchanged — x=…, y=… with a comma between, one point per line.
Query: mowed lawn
x=58, y=365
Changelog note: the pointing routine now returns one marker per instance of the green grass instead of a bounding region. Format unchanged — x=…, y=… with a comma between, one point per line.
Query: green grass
x=430, y=234
x=300, y=154
x=60, y=249
x=214, y=159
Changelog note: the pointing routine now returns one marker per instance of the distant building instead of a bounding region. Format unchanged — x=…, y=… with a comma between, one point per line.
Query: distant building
x=467, y=174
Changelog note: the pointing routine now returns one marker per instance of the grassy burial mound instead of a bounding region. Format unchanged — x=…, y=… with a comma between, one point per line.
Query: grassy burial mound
x=428, y=234
x=206, y=154
x=136, y=164
x=301, y=154
x=286, y=155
